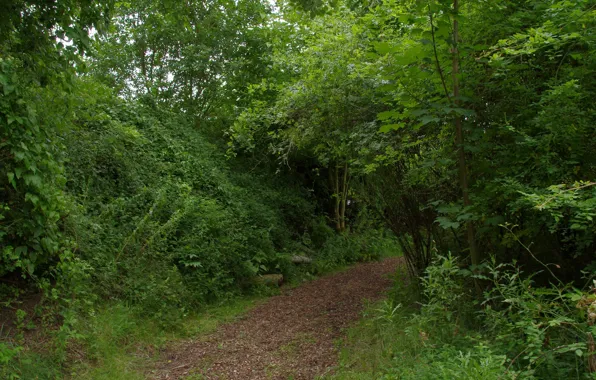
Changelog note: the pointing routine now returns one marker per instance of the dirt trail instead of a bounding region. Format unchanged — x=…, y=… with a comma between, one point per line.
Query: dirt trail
x=290, y=336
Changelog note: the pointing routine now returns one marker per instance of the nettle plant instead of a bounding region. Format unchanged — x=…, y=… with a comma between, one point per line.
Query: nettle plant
x=543, y=330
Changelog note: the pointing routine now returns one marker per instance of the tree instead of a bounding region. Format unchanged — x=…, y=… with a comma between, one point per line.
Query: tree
x=36, y=68
x=320, y=108
x=196, y=57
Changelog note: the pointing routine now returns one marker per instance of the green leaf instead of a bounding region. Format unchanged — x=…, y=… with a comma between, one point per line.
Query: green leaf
x=384, y=47
x=20, y=251
x=465, y=216
x=387, y=115
x=391, y=127
x=10, y=176
x=428, y=119
x=32, y=179
x=446, y=223
x=8, y=89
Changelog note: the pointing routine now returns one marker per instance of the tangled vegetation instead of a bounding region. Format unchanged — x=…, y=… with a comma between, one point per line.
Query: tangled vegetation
x=159, y=156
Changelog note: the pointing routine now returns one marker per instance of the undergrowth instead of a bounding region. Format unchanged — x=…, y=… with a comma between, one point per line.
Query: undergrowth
x=114, y=342
x=514, y=331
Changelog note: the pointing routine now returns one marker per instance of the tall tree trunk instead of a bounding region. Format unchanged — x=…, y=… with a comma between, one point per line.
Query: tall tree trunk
x=459, y=138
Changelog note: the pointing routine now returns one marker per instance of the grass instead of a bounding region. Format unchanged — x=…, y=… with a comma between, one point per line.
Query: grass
x=371, y=346
x=120, y=344
x=32, y=365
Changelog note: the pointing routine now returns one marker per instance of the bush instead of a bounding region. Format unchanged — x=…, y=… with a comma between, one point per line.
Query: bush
x=538, y=330
x=160, y=216
x=346, y=249
x=541, y=330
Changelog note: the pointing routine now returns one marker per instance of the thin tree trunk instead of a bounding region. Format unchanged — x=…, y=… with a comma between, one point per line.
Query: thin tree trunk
x=459, y=139
x=344, y=199
x=337, y=200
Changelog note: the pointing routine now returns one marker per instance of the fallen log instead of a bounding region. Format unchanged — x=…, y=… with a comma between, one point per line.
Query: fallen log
x=270, y=279
x=299, y=259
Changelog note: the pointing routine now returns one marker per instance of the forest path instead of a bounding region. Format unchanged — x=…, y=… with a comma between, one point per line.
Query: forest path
x=290, y=336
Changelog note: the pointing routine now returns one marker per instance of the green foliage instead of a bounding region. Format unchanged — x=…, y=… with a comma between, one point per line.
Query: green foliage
x=516, y=331
x=7, y=354
x=35, y=66
x=196, y=57
x=526, y=77
x=540, y=329
x=341, y=250
x=321, y=106
x=159, y=216
x=31, y=182
x=336, y=112
x=480, y=362
x=27, y=365
x=571, y=210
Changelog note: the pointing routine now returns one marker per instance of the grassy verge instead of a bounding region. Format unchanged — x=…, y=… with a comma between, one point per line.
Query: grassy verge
x=514, y=331
x=119, y=344
x=371, y=346
x=396, y=339
x=114, y=342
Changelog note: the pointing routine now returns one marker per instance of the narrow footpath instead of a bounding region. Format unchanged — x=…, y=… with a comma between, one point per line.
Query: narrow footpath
x=290, y=336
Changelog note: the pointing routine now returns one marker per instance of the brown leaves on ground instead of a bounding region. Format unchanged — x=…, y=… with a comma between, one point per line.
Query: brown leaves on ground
x=291, y=336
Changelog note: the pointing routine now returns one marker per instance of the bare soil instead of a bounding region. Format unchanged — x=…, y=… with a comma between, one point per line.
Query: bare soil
x=290, y=336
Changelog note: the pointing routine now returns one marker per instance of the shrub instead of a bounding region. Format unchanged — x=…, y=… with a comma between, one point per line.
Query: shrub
x=159, y=215
x=345, y=249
